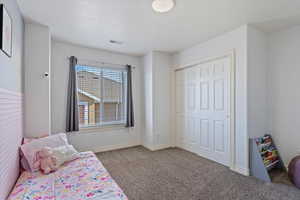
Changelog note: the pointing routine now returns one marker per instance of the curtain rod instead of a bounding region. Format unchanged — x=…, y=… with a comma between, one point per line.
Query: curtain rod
x=103, y=63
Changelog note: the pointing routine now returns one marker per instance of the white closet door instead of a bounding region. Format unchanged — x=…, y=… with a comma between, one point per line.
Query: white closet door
x=203, y=109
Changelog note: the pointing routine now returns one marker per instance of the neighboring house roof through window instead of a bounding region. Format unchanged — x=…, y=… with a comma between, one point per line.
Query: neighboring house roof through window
x=89, y=95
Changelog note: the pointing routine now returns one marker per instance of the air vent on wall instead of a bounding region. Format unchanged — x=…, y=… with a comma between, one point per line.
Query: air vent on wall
x=115, y=42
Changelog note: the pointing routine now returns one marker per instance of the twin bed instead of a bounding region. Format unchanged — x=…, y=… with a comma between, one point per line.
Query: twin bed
x=82, y=179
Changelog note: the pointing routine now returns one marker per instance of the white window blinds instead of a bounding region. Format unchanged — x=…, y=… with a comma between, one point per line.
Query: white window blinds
x=101, y=92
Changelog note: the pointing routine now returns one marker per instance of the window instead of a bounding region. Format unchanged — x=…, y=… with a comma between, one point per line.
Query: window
x=101, y=92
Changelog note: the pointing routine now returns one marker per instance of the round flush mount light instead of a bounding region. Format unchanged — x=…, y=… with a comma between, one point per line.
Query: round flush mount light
x=163, y=6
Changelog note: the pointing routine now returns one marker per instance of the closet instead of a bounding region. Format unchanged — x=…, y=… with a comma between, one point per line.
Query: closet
x=203, y=109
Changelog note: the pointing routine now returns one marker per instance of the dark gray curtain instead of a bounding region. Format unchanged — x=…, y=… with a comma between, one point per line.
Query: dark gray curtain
x=72, y=123
x=130, y=113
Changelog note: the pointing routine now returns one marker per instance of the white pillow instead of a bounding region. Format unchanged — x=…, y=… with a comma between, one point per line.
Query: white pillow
x=64, y=154
x=29, y=150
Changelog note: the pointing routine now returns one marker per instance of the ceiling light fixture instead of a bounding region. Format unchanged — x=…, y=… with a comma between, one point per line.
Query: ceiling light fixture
x=163, y=6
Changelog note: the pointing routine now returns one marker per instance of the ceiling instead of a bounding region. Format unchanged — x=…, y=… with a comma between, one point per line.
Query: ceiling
x=93, y=23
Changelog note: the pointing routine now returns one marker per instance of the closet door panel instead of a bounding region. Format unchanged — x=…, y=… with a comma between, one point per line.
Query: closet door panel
x=202, y=109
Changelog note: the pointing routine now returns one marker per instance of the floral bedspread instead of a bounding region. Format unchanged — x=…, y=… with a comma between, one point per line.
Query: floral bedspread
x=82, y=179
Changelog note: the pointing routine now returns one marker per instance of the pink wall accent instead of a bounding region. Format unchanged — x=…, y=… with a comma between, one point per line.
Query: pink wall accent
x=11, y=133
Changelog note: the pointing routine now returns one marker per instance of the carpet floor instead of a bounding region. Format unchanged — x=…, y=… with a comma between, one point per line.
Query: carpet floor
x=175, y=174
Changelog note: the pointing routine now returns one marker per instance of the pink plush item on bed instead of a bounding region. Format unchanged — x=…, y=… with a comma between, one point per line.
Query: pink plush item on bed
x=84, y=178
x=29, y=149
x=45, y=160
x=24, y=164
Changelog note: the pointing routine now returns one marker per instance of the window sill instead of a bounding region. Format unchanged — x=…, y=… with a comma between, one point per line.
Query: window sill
x=100, y=129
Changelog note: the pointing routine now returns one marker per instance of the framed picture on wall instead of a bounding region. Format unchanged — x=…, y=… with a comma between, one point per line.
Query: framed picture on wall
x=5, y=31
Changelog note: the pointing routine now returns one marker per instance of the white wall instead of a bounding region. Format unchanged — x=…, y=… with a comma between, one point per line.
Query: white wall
x=284, y=93
x=37, y=91
x=161, y=99
x=148, y=100
x=235, y=40
x=11, y=68
x=157, y=95
x=98, y=140
x=257, y=57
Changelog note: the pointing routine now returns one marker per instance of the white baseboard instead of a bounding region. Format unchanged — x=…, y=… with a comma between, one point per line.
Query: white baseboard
x=157, y=147
x=114, y=147
x=241, y=170
x=148, y=147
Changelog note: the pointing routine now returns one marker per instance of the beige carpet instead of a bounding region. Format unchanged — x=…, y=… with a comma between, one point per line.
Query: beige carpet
x=175, y=174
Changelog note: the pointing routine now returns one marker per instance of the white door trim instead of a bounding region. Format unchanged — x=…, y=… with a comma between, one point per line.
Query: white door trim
x=231, y=55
